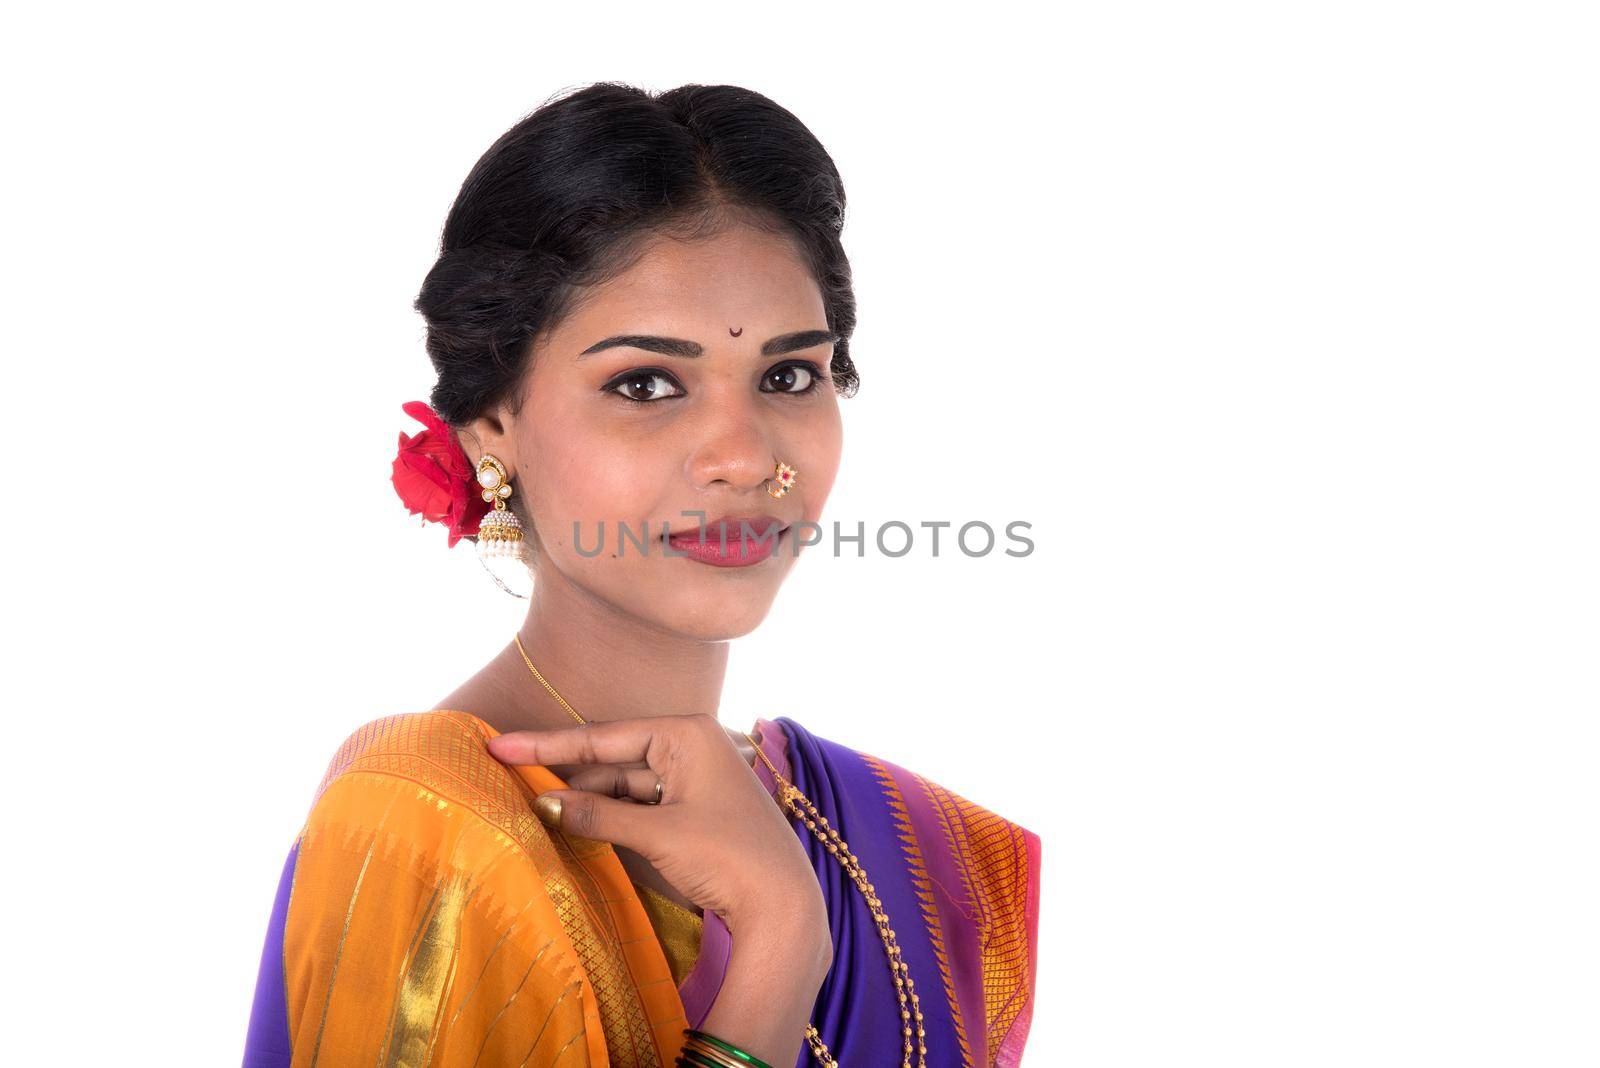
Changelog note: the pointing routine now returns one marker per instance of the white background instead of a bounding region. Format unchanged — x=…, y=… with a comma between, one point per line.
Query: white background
x=1277, y=321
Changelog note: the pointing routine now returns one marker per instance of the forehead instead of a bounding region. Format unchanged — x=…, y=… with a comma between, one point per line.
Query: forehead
x=742, y=275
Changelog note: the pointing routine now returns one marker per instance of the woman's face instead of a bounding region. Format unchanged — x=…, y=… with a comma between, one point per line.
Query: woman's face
x=620, y=434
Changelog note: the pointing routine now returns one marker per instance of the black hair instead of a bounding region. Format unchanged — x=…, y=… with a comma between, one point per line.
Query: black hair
x=565, y=198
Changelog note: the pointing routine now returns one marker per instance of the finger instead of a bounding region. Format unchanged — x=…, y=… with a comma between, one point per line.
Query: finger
x=606, y=819
x=741, y=742
x=567, y=771
x=615, y=742
x=636, y=783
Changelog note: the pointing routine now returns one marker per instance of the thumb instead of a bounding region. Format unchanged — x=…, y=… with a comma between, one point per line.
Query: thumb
x=590, y=815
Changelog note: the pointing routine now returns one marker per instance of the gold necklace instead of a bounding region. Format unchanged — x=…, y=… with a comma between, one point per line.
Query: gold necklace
x=559, y=699
x=798, y=805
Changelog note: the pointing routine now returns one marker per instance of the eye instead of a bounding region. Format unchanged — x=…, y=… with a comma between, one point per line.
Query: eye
x=644, y=387
x=791, y=378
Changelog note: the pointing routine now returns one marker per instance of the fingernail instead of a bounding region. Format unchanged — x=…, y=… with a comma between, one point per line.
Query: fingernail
x=548, y=809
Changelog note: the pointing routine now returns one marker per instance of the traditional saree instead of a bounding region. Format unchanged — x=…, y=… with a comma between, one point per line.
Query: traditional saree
x=425, y=916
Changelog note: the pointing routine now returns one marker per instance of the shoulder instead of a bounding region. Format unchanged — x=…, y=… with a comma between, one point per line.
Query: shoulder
x=424, y=784
x=437, y=748
x=972, y=830
x=419, y=884
x=839, y=758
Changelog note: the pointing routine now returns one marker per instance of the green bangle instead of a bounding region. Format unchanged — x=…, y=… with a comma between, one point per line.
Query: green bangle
x=693, y=1058
x=730, y=1048
x=690, y=1059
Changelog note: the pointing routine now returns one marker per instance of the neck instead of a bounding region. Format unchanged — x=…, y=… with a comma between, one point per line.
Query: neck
x=607, y=665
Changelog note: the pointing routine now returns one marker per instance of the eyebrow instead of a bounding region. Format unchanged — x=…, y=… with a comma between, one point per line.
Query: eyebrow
x=671, y=346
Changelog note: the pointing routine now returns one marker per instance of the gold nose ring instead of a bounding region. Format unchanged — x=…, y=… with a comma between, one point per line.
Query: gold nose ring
x=785, y=477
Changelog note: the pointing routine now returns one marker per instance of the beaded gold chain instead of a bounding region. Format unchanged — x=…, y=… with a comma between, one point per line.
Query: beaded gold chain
x=799, y=805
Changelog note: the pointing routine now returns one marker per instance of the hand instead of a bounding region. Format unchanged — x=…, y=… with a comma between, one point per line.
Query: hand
x=633, y=780
x=717, y=836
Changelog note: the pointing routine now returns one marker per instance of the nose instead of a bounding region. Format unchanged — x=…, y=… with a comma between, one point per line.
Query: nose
x=734, y=447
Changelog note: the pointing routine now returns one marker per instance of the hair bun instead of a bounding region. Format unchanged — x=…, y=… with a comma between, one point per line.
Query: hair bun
x=559, y=201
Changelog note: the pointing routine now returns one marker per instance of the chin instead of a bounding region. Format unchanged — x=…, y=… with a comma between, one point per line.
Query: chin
x=712, y=618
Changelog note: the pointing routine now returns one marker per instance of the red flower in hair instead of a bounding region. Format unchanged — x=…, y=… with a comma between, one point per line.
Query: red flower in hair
x=434, y=478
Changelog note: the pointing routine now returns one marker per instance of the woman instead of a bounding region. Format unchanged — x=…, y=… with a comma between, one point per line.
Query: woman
x=640, y=319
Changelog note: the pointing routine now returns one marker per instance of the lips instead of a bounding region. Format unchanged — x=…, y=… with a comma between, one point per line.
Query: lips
x=730, y=540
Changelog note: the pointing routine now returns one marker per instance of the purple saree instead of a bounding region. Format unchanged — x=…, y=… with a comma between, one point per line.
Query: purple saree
x=959, y=884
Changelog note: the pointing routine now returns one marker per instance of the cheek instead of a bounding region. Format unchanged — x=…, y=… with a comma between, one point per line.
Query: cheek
x=824, y=449
x=594, y=478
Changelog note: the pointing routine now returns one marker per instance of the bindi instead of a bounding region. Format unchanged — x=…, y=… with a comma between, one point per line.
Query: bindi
x=735, y=333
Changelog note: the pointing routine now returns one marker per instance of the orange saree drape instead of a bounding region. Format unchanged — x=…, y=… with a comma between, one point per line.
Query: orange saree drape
x=426, y=901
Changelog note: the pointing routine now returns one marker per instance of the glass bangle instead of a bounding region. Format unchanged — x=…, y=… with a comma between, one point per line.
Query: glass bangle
x=728, y=1048
x=695, y=1058
x=696, y=1054
x=690, y=1059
